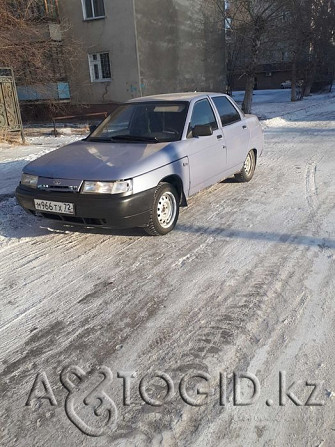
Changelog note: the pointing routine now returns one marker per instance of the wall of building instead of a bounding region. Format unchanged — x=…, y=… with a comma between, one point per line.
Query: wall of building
x=114, y=34
x=180, y=46
x=155, y=46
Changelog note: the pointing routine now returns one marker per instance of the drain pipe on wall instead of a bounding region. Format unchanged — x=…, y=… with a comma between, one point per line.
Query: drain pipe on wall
x=137, y=52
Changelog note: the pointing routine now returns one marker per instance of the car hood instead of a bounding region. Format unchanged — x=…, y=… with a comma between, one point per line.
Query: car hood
x=85, y=160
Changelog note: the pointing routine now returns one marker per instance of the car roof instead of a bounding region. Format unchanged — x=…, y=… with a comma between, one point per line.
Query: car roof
x=187, y=96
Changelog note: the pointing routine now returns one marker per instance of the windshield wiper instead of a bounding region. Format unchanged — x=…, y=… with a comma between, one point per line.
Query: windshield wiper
x=97, y=139
x=135, y=138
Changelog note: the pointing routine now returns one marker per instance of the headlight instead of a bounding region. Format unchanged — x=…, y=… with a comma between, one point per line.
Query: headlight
x=125, y=186
x=29, y=180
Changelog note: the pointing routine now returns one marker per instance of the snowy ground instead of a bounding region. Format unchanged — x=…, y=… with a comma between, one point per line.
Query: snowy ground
x=244, y=283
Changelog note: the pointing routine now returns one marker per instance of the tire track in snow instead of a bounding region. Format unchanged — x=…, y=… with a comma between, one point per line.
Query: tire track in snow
x=48, y=297
x=213, y=323
x=311, y=189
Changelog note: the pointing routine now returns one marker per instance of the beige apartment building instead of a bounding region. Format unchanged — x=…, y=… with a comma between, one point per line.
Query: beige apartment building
x=129, y=48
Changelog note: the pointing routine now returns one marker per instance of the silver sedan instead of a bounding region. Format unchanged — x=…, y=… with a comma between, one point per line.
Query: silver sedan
x=143, y=162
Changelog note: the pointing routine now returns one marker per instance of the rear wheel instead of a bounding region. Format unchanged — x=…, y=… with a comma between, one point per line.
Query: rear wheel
x=165, y=210
x=247, y=172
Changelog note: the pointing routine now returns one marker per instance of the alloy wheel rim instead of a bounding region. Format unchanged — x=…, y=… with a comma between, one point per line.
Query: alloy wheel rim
x=166, y=209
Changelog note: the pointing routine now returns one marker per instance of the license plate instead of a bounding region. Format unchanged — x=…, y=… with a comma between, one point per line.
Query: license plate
x=54, y=207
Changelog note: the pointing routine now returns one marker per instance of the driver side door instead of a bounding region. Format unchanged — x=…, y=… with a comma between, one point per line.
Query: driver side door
x=207, y=154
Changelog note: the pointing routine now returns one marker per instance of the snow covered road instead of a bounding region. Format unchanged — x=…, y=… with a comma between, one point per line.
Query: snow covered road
x=244, y=283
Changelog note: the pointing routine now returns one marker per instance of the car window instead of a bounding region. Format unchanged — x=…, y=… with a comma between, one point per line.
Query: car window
x=227, y=111
x=202, y=115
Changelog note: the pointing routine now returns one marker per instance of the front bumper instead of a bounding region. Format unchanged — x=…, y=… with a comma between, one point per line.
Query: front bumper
x=109, y=211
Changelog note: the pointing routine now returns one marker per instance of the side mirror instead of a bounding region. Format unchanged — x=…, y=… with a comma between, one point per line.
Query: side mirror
x=202, y=130
x=93, y=127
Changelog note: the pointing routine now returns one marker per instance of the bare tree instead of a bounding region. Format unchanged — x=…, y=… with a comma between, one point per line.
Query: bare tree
x=322, y=31
x=250, y=26
x=255, y=29
x=24, y=43
x=297, y=35
x=309, y=33
x=31, y=42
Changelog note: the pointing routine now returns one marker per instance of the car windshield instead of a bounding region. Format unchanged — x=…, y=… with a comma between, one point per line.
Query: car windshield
x=150, y=122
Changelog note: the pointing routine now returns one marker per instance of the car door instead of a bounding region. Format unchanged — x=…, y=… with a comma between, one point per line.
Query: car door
x=235, y=132
x=207, y=154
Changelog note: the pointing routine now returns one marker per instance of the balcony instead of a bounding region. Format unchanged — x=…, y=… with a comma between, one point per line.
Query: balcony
x=54, y=91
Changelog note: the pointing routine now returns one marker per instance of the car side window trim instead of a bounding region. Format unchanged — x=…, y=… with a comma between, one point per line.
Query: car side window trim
x=218, y=123
x=239, y=114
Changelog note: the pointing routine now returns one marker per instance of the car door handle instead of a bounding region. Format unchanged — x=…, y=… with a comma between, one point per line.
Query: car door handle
x=219, y=137
x=244, y=127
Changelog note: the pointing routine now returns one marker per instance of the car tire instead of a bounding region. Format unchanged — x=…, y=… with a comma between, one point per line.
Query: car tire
x=165, y=210
x=247, y=172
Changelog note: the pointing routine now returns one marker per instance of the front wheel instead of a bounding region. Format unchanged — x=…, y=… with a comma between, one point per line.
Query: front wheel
x=247, y=172
x=165, y=210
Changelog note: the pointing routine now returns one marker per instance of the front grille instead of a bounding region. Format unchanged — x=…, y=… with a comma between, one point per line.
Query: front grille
x=58, y=185
x=51, y=216
x=58, y=188
x=72, y=219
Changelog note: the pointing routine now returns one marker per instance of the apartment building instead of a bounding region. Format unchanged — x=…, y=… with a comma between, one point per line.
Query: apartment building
x=130, y=48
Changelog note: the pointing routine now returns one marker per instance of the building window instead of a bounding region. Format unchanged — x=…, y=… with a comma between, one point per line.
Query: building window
x=285, y=16
x=227, y=23
x=100, y=69
x=284, y=56
x=93, y=9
